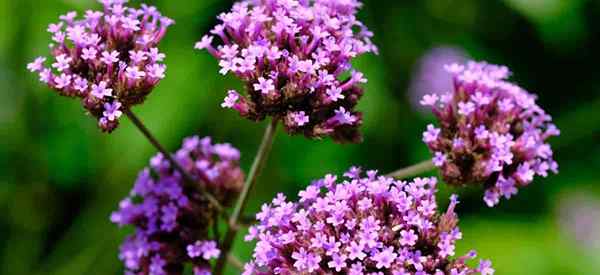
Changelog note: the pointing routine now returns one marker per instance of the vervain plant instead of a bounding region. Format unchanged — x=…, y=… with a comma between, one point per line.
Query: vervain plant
x=294, y=58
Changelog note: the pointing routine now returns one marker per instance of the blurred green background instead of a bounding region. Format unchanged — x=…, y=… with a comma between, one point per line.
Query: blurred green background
x=60, y=177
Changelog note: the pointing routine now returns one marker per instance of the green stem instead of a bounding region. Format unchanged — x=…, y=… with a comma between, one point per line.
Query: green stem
x=235, y=262
x=413, y=170
x=257, y=165
x=186, y=176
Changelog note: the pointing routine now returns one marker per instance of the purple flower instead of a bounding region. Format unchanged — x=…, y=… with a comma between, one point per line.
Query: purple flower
x=62, y=62
x=231, y=99
x=408, y=237
x=156, y=72
x=491, y=132
x=439, y=159
x=62, y=81
x=105, y=57
x=137, y=56
x=431, y=135
x=385, y=258
x=207, y=249
x=334, y=94
x=204, y=43
x=46, y=75
x=89, y=53
x=299, y=118
x=337, y=263
x=293, y=57
x=264, y=86
x=373, y=224
x=157, y=265
x=466, y=109
x=342, y=117
x=134, y=73
x=112, y=110
x=171, y=220
x=429, y=100
x=80, y=84
x=37, y=65
x=100, y=90
x=306, y=261
x=485, y=267
x=109, y=58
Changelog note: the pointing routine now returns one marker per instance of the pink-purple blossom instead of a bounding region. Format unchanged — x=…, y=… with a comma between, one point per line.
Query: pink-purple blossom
x=205, y=249
x=492, y=132
x=106, y=57
x=361, y=225
x=298, y=118
x=293, y=57
x=231, y=99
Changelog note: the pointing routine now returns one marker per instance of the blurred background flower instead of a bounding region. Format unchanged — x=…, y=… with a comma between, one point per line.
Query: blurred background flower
x=579, y=219
x=429, y=76
x=60, y=178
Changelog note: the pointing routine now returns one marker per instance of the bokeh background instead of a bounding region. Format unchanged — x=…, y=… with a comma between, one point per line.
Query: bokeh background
x=60, y=178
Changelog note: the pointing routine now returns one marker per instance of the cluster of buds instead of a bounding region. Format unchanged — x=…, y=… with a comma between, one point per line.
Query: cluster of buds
x=172, y=219
x=294, y=58
x=492, y=132
x=364, y=225
x=109, y=59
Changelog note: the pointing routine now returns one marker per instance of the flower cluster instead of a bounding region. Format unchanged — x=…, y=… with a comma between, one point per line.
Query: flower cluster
x=365, y=225
x=108, y=58
x=492, y=132
x=171, y=218
x=294, y=58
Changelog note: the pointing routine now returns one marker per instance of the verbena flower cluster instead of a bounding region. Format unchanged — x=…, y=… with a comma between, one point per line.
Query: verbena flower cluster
x=294, y=58
x=109, y=58
x=492, y=132
x=364, y=225
x=171, y=218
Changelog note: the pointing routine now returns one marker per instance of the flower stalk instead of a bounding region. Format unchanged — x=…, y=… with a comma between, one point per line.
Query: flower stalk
x=186, y=176
x=413, y=170
x=257, y=165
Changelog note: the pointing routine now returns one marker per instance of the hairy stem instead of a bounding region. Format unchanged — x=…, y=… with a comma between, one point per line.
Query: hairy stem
x=186, y=176
x=257, y=165
x=413, y=170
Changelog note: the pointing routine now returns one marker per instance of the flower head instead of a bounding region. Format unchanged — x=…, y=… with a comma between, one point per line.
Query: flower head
x=171, y=219
x=106, y=57
x=295, y=57
x=363, y=225
x=492, y=133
